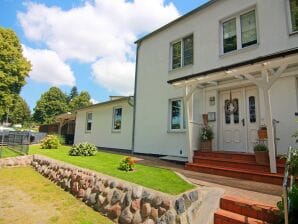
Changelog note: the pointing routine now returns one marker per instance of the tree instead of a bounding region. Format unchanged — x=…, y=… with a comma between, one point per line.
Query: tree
x=14, y=68
x=73, y=93
x=21, y=113
x=50, y=104
x=80, y=101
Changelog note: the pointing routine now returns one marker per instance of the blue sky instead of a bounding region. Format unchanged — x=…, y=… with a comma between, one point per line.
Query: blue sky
x=85, y=43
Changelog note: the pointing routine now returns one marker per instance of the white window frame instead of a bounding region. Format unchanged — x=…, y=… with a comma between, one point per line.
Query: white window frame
x=113, y=119
x=181, y=52
x=183, y=118
x=290, y=26
x=238, y=31
x=88, y=121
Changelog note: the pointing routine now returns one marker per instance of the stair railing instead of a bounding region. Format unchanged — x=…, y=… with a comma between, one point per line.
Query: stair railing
x=287, y=185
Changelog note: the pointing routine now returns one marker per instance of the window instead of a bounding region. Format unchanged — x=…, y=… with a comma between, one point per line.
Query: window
x=182, y=52
x=252, y=109
x=117, y=119
x=88, y=122
x=177, y=118
x=236, y=38
x=294, y=15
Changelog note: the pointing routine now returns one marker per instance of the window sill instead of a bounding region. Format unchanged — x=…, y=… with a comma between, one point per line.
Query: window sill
x=177, y=131
x=293, y=33
x=242, y=50
x=180, y=68
x=87, y=132
x=116, y=131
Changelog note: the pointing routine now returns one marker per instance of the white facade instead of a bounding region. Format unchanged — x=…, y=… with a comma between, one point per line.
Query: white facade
x=153, y=93
x=103, y=132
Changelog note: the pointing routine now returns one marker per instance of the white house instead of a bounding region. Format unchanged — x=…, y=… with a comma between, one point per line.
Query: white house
x=107, y=124
x=222, y=55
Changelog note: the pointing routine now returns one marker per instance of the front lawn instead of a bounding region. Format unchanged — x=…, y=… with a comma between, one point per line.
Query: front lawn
x=152, y=177
x=27, y=197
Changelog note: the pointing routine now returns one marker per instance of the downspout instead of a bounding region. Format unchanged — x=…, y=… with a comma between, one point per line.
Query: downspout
x=135, y=101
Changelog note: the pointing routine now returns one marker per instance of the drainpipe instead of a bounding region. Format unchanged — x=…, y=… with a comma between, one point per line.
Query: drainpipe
x=135, y=101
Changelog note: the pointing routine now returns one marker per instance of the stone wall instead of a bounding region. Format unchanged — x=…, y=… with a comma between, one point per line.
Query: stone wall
x=124, y=202
x=16, y=161
x=121, y=201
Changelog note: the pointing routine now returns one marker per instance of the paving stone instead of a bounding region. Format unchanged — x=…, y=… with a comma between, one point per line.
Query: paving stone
x=126, y=216
x=137, y=218
x=136, y=204
x=116, y=197
x=146, y=210
x=180, y=205
x=137, y=192
x=193, y=196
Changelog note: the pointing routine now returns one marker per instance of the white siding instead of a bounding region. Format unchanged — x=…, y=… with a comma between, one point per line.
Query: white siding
x=153, y=91
x=101, y=134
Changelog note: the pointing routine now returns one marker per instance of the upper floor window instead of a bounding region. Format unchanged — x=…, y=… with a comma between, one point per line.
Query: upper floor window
x=177, y=115
x=239, y=32
x=117, y=119
x=88, y=122
x=182, y=52
x=294, y=15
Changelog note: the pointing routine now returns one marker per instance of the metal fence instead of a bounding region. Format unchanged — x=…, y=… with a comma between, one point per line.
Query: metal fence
x=19, y=141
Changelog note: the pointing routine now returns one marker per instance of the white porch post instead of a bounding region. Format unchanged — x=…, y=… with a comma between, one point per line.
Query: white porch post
x=264, y=84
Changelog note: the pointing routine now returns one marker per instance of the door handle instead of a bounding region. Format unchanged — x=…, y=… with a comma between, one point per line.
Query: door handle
x=243, y=122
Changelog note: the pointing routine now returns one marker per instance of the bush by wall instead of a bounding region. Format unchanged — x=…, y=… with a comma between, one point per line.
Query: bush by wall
x=127, y=164
x=50, y=142
x=83, y=149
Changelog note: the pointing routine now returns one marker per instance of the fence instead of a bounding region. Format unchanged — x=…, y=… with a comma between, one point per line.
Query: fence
x=19, y=141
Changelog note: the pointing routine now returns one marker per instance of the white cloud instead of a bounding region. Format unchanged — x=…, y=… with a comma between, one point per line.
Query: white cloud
x=97, y=32
x=94, y=101
x=48, y=67
x=115, y=75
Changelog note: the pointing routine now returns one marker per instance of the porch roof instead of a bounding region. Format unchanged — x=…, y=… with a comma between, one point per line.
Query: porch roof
x=236, y=70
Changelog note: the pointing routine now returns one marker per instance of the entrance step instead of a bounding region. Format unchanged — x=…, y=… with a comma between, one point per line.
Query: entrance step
x=253, y=175
x=238, y=164
x=237, y=210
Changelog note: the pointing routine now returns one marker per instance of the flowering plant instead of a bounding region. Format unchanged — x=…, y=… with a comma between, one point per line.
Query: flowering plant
x=206, y=133
x=127, y=164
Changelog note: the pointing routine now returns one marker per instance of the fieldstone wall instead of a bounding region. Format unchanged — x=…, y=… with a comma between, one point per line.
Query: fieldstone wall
x=121, y=201
x=16, y=161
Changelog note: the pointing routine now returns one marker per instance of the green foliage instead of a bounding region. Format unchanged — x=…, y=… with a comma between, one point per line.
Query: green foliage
x=50, y=142
x=14, y=68
x=293, y=212
x=83, y=149
x=21, y=113
x=293, y=163
x=260, y=148
x=73, y=93
x=50, y=104
x=80, y=101
x=206, y=133
x=127, y=164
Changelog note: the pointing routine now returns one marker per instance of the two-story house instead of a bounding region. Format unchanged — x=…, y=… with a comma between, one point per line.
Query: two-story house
x=235, y=60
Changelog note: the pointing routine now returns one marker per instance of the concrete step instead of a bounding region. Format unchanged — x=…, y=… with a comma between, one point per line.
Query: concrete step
x=264, y=177
x=238, y=164
x=250, y=208
x=226, y=217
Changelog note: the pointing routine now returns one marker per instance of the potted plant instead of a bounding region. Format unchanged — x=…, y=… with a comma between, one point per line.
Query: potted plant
x=261, y=154
x=262, y=132
x=206, y=136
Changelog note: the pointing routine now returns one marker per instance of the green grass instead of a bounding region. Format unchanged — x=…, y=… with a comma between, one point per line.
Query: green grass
x=6, y=152
x=27, y=197
x=152, y=177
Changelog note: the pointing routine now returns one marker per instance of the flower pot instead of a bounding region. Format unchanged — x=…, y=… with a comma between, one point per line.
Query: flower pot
x=262, y=134
x=206, y=145
x=262, y=157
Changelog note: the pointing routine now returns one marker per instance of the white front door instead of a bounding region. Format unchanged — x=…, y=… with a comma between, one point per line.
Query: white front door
x=239, y=121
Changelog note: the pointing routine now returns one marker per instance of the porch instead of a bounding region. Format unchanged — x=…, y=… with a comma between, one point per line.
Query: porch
x=247, y=87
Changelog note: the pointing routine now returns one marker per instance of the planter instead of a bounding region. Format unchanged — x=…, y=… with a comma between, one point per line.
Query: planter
x=206, y=146
x=262, y=134
x=262, y=157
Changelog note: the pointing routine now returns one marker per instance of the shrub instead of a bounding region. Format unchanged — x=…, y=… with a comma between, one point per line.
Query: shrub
x=206, y=133
x=293, y=163
x=127, y=164
x=50, y=142
x=83, y=149
x=260, y=148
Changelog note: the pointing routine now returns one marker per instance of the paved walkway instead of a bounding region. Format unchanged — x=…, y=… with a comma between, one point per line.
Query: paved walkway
x=255, y=191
